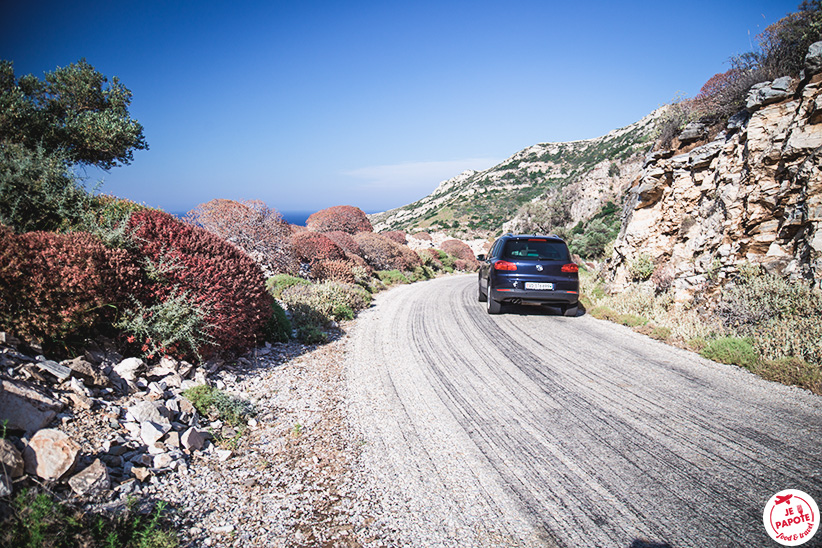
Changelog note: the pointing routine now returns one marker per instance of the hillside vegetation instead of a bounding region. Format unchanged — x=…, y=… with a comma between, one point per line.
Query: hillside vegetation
x=479, y=202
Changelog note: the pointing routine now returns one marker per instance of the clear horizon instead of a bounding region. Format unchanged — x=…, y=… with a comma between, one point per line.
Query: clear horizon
x=371, y=104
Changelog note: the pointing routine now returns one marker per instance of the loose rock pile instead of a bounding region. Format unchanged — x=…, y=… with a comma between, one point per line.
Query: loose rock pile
x=99, y=430
x=118, y=420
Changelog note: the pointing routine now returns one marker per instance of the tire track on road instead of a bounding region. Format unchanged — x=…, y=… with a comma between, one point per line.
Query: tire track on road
x=586, y=432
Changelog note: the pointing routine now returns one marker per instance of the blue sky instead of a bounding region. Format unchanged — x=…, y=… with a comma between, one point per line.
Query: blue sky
x=308, y=104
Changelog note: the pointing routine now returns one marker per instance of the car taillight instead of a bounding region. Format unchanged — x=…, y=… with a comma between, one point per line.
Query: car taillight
x=504, y=265
x=570, y=267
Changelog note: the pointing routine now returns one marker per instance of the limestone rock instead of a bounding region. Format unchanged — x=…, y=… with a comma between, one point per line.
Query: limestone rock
x=694, y=131
x=11, y=460
x=26, y=407
x=129, y=369
x=50, y=454
x=151, y=432
x=148, y=411
x=192, y=439
x=752, y=194
x=92, y=480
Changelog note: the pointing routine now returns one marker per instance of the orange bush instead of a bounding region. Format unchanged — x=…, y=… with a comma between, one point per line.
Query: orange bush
x=396, y=235
x=313, y=246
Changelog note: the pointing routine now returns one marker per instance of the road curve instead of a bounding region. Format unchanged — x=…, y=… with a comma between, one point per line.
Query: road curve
x=532, y=429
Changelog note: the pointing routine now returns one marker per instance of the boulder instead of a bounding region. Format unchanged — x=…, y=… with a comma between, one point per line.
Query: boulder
x=694, y=131
x=151, y=432
x=92, y=480
x=26, y=407
x=11, y=460
x=813, y=60
x=50, y=454
x=765, y=93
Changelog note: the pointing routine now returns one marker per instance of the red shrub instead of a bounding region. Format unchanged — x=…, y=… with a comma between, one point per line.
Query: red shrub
x=396, y=235
x=345, y=241
x=252, y=226
x=59, y=286
x=344, y=218
x=313, y=246
x=460, y=250
x=385, y=254
x=217, y=276
x=423, y=236
x=431, y=257
x=461, y=264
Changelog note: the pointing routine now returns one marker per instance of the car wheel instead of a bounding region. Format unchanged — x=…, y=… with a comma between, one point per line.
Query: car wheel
x=482, y=297
x=494, y=307
x=570, y=311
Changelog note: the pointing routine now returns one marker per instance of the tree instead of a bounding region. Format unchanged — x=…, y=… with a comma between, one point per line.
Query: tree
x=74, y=116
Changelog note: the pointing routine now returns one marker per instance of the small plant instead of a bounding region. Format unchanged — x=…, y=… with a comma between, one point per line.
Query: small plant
x=731, y=350
x=641, y=268
x=278, y=328
x=216, y=403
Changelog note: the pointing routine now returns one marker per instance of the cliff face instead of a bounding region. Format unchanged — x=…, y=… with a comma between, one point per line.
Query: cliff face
x=754, y=193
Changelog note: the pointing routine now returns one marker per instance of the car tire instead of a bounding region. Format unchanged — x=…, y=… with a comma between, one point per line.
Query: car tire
x=570, y=311
x=493, y=307
x=481, y=297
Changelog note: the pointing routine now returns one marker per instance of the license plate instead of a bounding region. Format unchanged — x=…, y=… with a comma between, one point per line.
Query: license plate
x=538, y=285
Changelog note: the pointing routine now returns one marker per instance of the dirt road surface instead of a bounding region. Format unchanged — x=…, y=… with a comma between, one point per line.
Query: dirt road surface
x=533, y=429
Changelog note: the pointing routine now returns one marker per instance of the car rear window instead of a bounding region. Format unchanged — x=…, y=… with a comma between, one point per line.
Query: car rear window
x=537, y=249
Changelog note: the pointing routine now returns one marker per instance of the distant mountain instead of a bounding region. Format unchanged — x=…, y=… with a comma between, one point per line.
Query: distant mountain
x=477, y=203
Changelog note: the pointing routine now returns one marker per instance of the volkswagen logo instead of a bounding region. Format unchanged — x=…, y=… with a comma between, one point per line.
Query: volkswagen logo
x=539, y=267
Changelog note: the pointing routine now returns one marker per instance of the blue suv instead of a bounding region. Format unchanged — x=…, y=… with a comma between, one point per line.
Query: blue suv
x=529, y=269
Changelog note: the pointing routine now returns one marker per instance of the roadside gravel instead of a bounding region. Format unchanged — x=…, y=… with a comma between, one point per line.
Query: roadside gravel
x=293, y=480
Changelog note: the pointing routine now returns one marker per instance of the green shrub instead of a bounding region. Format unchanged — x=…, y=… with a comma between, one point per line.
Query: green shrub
x=278, y=328
x=631, y=320
x=731, y=350
x=213, y=402
x=280, y=282
x=391, y=277
x=35, y=520
x=175, y=327
x=315, y=305
x=661, y=333
x=792, y=371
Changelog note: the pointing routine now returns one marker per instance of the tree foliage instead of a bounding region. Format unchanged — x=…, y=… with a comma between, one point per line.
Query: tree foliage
x=74, y=116
x=75, y=111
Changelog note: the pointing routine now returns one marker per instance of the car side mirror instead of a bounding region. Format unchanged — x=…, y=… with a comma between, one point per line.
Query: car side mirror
x=481, y=257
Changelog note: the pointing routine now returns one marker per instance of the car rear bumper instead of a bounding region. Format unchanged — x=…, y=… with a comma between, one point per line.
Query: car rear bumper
x=559, y=297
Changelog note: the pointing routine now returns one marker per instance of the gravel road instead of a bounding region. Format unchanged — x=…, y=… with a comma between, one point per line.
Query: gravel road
x=532, y=429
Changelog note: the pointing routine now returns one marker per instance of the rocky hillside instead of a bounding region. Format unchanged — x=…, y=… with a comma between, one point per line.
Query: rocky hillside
x=476, y=203
x=753, y=193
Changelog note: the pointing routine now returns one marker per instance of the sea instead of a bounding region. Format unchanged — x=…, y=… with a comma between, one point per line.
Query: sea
x=292, y=217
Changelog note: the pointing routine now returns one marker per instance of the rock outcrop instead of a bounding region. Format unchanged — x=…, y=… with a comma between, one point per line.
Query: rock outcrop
x=754, y=193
